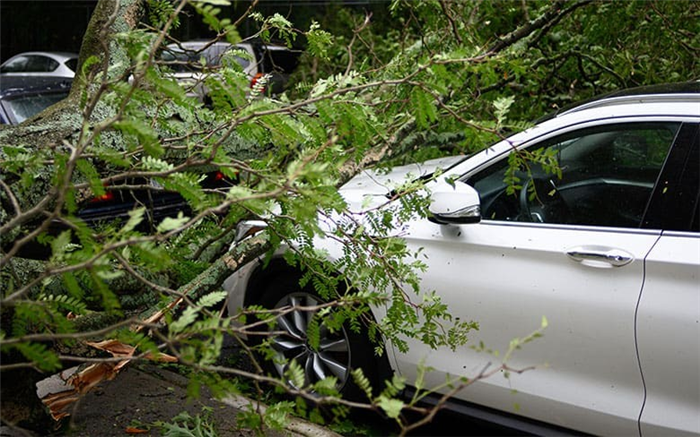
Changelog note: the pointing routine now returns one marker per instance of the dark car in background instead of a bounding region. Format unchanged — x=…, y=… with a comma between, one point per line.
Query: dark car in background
x=121, y=198
x=22, y=97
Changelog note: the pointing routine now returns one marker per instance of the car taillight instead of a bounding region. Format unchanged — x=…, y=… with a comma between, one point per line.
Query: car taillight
x=255, y=79
x=106, y=197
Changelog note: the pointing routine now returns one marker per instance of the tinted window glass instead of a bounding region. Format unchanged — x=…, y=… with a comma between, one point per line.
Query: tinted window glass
x=193, y=59
x=72, y=64
x=599, y=177
x=41, y=64
x=25, y=107
x=179, y=61
x=283, y=61
x=15, y=65
x=30, y=64
x=238, y=55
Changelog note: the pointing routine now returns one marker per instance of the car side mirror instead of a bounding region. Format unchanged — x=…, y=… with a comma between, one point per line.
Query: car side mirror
x=456, y=203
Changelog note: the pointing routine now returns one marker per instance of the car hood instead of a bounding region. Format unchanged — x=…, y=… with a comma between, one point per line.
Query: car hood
x=378, y=183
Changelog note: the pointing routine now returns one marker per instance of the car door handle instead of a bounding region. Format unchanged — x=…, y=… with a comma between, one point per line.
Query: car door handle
x=600, y=257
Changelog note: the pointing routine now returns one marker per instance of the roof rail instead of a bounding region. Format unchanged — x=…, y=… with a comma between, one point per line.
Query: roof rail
x=630, y=95
x=632, y=99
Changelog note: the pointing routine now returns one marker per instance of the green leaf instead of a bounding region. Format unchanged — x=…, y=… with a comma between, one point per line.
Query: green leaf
x=295, y=374
x=156, y=256
x=62, y=244
x=212, y=298
x=108, y=274
x=313, y=333
x=423, y=108
x=65, y=302
x=361, y=380
x=189, y=315
x=328, y=386
x=40, y=355
x=146, y=136
x=90, y=172
x=277, y=415
x=392, y=407
x=155, y=164
x=319, y=41
x=502, y=106
x=135, y=217
x=72, y=285
x=169, y=223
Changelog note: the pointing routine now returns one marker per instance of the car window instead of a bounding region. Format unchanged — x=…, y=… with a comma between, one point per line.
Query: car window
x=42, y=64
x=72, y=63
x=192, y=59
x=30, y=64
x=180, y=62
x=279, y=60
x=279, y=63
x=15, y=65
x=28, y=106
x=598, y=177
x=236, y=54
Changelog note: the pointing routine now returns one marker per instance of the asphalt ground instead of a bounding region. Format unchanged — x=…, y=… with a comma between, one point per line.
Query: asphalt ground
x=144, y=396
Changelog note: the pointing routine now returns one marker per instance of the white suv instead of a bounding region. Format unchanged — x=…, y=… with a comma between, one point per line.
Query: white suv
x=609, y=252
x=189, y=61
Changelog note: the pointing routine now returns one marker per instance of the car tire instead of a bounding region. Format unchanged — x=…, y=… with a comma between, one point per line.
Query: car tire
x=340, y=352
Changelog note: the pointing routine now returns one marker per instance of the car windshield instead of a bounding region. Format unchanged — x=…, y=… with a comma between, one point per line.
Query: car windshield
x=25, y=107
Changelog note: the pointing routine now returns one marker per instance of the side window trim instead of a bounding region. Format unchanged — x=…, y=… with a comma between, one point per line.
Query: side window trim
x=676, y=197
x=622, y=158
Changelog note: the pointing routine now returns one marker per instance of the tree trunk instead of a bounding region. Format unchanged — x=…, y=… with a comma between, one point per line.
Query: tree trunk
x=49, y=130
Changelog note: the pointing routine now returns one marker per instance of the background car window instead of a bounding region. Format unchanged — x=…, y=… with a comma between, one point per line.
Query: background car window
x=16, y=65
x=25, y=107
x=41, y=64
x=284, y=61
x=193, y=59
x=31, y=64
x=232, y=56
x=279, y=63
x=607, y=177
x=72, y=63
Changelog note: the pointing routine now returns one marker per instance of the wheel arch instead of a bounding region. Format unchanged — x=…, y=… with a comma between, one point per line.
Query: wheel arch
x=265, y=273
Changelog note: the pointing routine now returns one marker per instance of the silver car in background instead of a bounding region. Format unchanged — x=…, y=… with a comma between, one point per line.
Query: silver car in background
x=58, y=64
x=191, y=61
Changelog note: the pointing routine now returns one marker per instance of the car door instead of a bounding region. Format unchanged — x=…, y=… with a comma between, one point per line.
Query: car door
x=569, y=249
x=668, y=334
x=668, y=318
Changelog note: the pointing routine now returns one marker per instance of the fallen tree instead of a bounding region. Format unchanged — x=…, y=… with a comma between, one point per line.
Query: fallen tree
x=127, y=126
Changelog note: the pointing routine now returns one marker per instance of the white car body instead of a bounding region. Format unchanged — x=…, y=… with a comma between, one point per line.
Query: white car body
x=46, y=63
x=621, y=354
